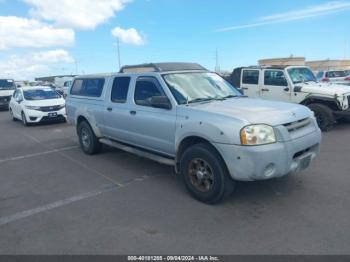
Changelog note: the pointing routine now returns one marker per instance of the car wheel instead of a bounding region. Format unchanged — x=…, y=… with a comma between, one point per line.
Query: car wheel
x=24, y=120
x=12, y=116
x=324, y=116
x=88, y=141
x=205, y=174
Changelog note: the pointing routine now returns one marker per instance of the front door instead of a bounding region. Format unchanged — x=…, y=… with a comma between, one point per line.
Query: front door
x=275, y=86
x=151, y=128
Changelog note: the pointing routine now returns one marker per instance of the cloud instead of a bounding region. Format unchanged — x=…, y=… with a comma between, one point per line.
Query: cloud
x=77, y=14
x=128, y=36
x=23, y=32
x=294, y=15
x=34, y=64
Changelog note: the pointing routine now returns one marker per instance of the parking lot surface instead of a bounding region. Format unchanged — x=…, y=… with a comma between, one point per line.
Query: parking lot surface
x=56, y=200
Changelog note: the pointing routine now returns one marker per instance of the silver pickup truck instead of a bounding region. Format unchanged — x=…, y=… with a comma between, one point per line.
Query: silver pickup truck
x=180, y=114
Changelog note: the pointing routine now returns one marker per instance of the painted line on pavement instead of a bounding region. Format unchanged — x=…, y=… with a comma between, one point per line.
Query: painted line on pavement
x=38, y=154
x=57, y=204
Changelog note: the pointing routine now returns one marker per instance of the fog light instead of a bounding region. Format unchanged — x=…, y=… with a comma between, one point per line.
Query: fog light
x=270, y=170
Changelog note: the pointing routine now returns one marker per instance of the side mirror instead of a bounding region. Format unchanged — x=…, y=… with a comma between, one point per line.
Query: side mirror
x=160, y=102
x=297, y=89
x=18, y=100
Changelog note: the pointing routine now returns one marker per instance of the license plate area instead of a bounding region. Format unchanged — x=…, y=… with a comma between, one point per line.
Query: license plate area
x=304, y=162
x=52, y=115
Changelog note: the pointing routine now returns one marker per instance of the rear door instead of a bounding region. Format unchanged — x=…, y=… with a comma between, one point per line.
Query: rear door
x=250, y=82
x=275, y=86
x=117, y=114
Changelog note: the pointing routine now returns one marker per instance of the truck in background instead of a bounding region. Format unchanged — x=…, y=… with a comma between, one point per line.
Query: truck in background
x=7, y=87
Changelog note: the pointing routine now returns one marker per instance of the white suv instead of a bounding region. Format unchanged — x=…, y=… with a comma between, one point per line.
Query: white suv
x=37, y=104
x=295, y=84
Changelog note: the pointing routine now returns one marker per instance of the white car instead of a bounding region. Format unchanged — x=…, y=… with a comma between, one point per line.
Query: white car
x=37, y=104
x=337, y=77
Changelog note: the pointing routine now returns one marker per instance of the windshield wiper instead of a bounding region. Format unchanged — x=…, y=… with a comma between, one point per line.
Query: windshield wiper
x=230, y=96
x=198, y=100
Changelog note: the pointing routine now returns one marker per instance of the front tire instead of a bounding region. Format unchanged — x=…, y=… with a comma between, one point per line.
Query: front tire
x=12, y=116
x=205, y=174
x=324, y=116
x=88, y=141
x=24, y=119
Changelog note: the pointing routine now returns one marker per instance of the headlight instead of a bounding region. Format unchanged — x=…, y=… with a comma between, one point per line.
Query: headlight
x=257, y=135
x=33, y=107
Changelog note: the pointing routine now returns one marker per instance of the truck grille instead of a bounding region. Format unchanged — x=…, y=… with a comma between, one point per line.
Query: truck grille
x=5, y=99
x=294, y=126
x=50, y=108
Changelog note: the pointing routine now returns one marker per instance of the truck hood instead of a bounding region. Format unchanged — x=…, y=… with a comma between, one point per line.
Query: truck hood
x=325, y=88
x=6, y=92
x=256, y=111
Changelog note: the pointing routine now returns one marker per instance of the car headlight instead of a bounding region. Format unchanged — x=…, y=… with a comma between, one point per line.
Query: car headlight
x=254, y=135
x=33, y=107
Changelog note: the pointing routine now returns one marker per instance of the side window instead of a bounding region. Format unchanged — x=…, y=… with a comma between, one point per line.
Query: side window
x=319, y=75
x=93, y=87
x=77, y=87
x=146, y=88
x=90, y=87
x=120, y=89
x=275, y=78
x=250, y=77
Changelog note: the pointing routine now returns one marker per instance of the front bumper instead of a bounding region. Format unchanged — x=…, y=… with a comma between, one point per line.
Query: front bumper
x=345, y=113
x=270, y=161
x=35, y=116
x=4, y=102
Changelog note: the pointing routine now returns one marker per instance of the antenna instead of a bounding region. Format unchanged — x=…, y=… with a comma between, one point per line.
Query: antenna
x=217, y=65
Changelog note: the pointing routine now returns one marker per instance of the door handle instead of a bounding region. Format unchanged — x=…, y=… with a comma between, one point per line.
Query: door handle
x=286, y=89
x=245, y=88
x=265, y=90
x=109, y=109
x=133, y=113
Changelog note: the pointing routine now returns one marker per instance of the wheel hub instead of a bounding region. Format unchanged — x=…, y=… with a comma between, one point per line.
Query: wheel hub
x=201, y=175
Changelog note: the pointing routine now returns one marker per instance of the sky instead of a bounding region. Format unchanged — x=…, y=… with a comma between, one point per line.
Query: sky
x=52, y=37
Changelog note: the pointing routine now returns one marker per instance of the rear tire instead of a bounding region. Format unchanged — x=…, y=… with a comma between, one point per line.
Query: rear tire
x=205, y=174
x=88, y=141
x=324, y=116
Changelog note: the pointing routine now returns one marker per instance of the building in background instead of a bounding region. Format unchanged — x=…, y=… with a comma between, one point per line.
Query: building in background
x=294, y=61
x=51, y=79
x=327, y=65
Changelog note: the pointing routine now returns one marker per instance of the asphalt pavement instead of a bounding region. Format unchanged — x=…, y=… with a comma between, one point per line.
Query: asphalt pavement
x=56, y=200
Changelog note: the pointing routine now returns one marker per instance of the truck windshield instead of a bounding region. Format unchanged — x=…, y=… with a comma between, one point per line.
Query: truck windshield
x=40, y=94
x=6, y=84
x=198, y=87
x=300, y=75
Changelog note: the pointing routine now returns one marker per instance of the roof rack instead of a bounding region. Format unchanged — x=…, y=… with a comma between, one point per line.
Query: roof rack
x=161, y=67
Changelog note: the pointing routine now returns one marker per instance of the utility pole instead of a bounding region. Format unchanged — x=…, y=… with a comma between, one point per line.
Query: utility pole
x=76, y=67
x=118, y=47
x=345, y=49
